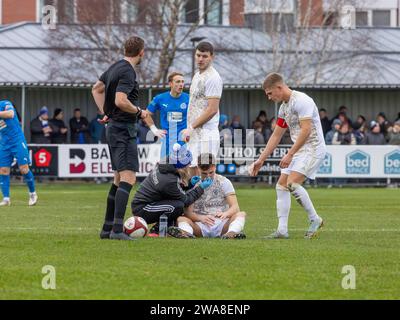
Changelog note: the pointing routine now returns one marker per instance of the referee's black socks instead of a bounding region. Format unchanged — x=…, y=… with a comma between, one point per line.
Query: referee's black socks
x=121, y=200
x=109, y=219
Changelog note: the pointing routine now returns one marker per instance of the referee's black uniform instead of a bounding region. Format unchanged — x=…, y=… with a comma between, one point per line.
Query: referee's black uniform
x=122, y=128
x=121, y=133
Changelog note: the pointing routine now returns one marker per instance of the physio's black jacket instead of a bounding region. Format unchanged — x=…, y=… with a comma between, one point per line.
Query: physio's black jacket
x=163, y=183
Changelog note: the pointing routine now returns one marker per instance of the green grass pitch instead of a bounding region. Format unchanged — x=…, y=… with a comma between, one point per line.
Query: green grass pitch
x=362, y=229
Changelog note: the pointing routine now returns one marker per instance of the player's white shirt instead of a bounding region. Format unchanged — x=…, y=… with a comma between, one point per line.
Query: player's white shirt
x=299, y=107
x=205, y=85
x=213, y=199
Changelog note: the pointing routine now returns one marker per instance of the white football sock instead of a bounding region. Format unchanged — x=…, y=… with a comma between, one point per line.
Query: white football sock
x=304, y=200
x=185, y=227
x=283, y=203
x=237, y=225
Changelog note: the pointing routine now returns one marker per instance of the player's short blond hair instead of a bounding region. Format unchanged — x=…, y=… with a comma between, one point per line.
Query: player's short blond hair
x=173, y=75
x=272, y=80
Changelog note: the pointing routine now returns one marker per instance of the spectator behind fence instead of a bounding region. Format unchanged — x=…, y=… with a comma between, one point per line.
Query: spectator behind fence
x=256, y=134
x=97, y=129
x=223, y=122
x=343, y=111
x=375, y=136
x=335, y=127
x=325, y=122
x=238, y=131
x=394, y=133
x=383, y=123
x=360, y=128
x=266, y=125
x=344, y=136
x=224, y=131
x=79, y=128
x=40, y=127
x=59, y=134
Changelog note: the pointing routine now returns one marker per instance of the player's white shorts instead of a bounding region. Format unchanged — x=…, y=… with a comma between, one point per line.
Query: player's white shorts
x=306, y=164
x=213, y=231
x=208, y=142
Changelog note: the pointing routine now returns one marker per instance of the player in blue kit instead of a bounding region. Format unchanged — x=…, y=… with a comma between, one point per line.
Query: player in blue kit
x=173, y=110
x=13, y=145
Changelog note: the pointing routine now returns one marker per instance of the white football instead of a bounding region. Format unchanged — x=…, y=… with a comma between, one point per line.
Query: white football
x=136, y=227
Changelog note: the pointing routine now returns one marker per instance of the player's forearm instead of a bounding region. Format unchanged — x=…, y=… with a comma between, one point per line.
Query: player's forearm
x=273, y=142
x=7, y=114
x=149, y=121
x=192, y=216
x=232, y=210
x=301, y=140
x=205, y=116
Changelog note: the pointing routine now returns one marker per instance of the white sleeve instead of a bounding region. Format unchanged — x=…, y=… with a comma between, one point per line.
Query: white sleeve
x=214, y=87
x=304, y=108
x=227, y=187
x=280, y=113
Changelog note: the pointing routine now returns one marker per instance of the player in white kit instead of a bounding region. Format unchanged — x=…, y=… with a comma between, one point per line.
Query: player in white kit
x=216, y=214
x=202, y=132
x=299, y=113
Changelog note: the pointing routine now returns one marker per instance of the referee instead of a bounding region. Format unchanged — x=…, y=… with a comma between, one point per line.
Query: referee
x=116, y=95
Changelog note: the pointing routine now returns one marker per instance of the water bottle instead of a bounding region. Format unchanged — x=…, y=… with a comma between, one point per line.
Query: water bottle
x=163, y=225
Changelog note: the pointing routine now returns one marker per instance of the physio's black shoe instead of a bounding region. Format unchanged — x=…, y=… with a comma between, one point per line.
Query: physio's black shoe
x=120, y=236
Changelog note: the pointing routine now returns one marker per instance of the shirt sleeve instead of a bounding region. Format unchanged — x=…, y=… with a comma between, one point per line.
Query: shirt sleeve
x=154, y=105
x=126, y=83
x=227, y=187
x=103, y=77
x=280, y=122
x=214, y=87
x=304, y=109
x=8, y=107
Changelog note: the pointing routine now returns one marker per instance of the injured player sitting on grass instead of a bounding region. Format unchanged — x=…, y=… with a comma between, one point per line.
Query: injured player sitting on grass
x=216, y=214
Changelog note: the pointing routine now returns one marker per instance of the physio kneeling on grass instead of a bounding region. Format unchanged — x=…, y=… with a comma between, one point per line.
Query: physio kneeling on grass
x=162, y=191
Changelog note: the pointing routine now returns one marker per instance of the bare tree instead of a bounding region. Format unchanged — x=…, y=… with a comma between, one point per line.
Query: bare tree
x=90, y=46
x=307, y=46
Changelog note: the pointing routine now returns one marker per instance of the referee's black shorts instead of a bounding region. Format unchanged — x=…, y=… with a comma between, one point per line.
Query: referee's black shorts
x=121, y=140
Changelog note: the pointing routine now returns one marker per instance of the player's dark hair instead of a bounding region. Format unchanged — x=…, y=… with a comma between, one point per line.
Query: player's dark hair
x=133, y=46
x=173, y=75
x=205, y=46
x=272, y=80
x=206, y=160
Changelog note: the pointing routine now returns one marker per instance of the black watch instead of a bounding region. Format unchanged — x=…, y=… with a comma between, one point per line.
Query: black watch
x=139, y=113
